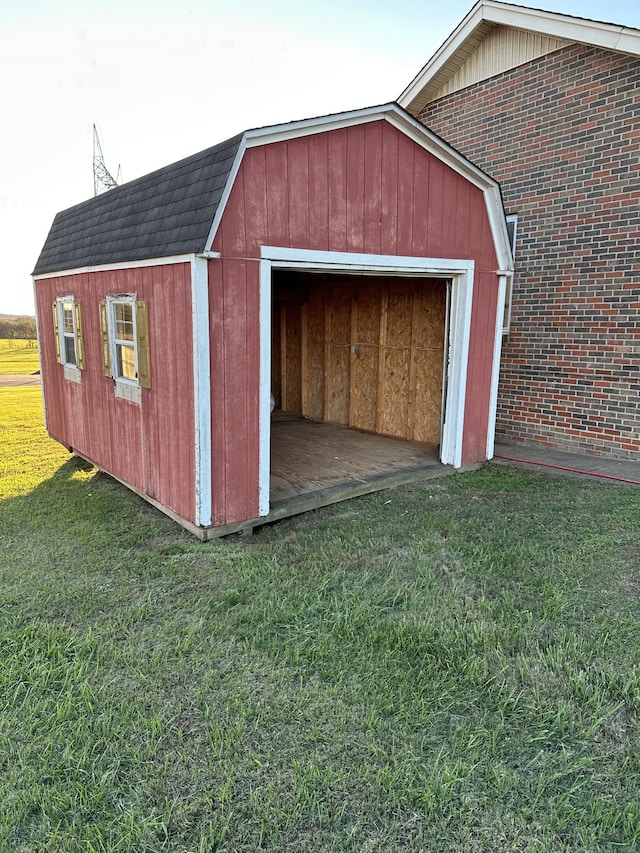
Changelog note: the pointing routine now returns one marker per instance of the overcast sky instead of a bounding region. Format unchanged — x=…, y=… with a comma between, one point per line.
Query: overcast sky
x=165, y=79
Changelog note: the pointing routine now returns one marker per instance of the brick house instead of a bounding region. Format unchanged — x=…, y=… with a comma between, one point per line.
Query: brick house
x=549, y=105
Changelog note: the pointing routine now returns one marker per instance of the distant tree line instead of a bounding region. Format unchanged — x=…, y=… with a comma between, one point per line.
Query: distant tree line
x=17, y=327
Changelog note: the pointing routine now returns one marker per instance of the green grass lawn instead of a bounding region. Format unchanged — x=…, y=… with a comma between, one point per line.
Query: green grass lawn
x=18, y=357
x=447, y=667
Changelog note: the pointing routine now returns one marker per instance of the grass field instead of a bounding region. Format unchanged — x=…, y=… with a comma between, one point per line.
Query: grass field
x=18, y=357
x=447, y=667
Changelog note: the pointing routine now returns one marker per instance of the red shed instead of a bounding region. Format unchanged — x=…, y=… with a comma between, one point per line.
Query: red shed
x=349, y=270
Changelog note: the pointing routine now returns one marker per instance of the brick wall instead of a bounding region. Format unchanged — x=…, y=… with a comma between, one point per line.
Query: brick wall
x=562, y=135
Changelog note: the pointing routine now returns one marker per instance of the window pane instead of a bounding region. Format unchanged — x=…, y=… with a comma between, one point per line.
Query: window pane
x=67, y=315
x=124, y=321
x=126, y=361
x=69, y=350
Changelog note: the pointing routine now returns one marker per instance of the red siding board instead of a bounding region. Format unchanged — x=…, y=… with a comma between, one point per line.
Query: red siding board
x=297, y=190
x=406, y=186
x=355, y=188
x=366, y=189
x=278, y=208
x=389, y=195
x=236, y=375
x=436, y=208
x=373, y=188
x=219, y=401
x=117, y=435
x=420, y=225
x=255, y=200
x=363, y=189
x=337, y=191
x=318, y=191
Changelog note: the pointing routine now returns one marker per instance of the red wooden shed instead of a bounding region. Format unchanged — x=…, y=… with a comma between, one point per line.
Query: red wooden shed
x=349, y=270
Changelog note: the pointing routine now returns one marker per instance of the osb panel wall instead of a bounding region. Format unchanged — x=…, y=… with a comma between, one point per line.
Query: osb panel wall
x=363, y=352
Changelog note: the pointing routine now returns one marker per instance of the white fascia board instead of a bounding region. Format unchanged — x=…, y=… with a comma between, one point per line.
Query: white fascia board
x=583, y=30
x=444, y=53
x=120, y=265
x=201, y=390
x=323, y=124
x=597, y=33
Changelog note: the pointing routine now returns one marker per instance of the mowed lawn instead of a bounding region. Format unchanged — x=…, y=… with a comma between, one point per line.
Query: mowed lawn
x=18, y=357
x=446, y=667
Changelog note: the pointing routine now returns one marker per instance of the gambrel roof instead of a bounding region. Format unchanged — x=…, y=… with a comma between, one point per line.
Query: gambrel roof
x=175, y=211
x=168, y=212
x=497, y=36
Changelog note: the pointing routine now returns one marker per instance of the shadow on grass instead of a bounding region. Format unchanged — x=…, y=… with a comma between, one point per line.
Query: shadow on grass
x=77, y=498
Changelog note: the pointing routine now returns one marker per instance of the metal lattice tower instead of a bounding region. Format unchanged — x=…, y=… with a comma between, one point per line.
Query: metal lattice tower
x=102, y=178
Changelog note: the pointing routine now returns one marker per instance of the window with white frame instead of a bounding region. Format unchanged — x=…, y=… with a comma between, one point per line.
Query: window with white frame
x=67, y=325
x=125, y=344
x=512, y=230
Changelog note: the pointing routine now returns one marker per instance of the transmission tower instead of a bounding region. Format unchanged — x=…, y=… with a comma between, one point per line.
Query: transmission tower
x=102, y=178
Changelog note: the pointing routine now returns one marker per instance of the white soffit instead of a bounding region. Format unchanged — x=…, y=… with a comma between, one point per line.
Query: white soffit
x=488, y=14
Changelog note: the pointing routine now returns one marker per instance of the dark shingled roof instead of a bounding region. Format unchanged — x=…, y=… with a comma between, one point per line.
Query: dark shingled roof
x=168, y=212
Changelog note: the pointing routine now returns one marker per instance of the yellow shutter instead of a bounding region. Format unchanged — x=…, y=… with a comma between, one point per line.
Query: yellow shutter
x=79, y=336
x=56, y=331
x=104, y=331
x=144, y=355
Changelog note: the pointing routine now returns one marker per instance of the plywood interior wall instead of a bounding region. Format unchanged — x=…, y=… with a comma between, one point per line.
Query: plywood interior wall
x=363, y=352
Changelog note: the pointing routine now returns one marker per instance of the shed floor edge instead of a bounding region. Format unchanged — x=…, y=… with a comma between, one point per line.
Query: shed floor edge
x=299, y=504
x=325, y=497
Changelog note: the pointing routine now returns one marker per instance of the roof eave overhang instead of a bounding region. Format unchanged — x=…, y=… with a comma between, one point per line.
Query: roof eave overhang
x=487, y=14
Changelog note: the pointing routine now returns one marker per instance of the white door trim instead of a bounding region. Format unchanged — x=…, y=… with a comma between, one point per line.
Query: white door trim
x=461, y=273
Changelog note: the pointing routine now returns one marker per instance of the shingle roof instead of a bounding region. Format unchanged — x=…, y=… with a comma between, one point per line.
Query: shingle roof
x=168, y=212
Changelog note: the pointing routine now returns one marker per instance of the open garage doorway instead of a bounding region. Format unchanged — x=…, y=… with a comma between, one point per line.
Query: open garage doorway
x=375, y=346
x=357, y=376
x=365, y=352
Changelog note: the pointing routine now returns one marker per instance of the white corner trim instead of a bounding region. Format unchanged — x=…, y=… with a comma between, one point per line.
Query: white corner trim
x=459, y=334
x=120, y=265
x=495, y=367
x=201, y=389
x=498, y=226
x=264, y=452
x=39, y=338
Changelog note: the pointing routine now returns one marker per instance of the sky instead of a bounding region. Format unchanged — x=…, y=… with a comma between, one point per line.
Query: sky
x=163, y=79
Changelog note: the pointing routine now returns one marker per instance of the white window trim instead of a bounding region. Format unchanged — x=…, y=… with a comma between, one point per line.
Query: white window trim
x=71, y=371
x=125, y=389
x=461, y=273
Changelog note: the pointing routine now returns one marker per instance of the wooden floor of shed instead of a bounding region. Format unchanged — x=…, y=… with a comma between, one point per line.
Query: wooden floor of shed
x=314, y=464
